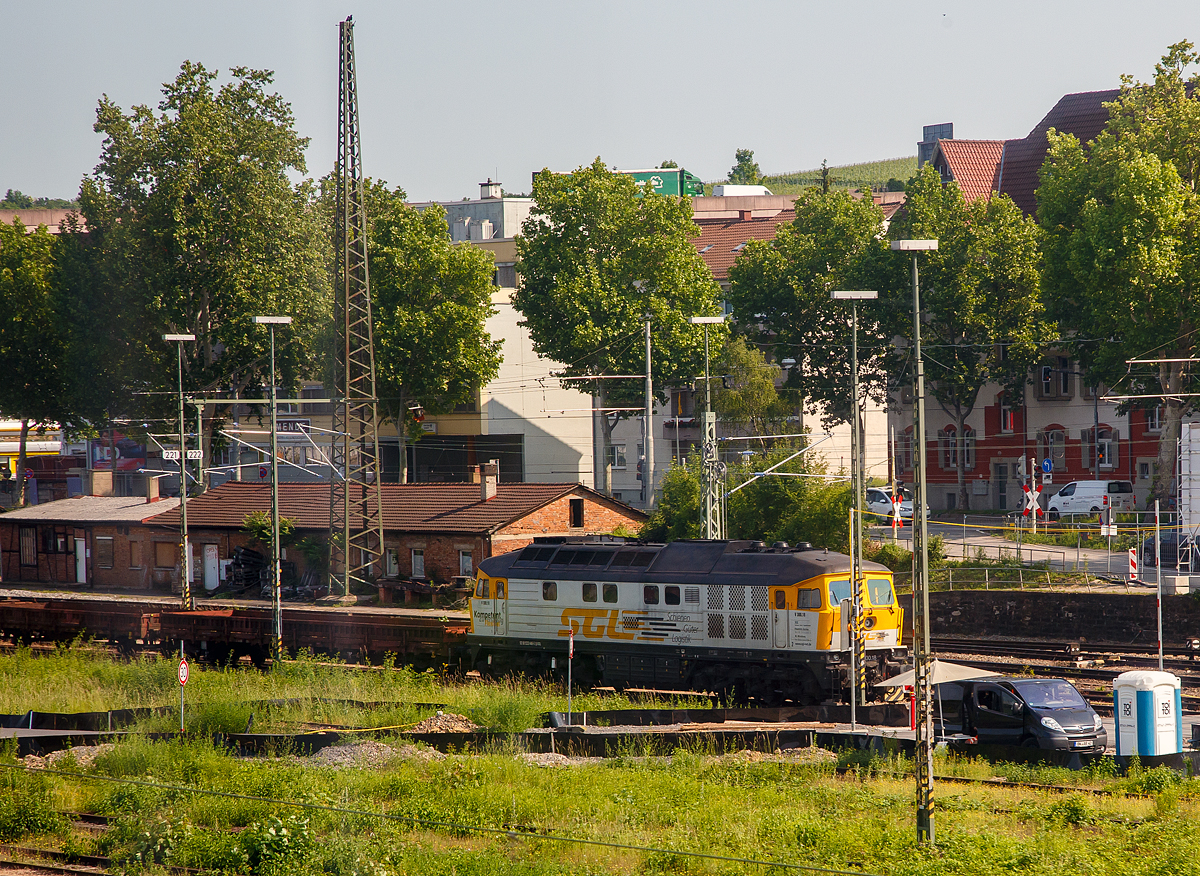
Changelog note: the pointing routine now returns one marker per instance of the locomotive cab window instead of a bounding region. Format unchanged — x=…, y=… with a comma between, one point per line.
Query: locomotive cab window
x=808, y=597
x=650, y=594
x=781, y=599
x=549, y=590
x=610, y=592
x=880, y=591
x=481, y=589
x=589, y=592
x=838, y=590
x=671, y=594
x=499, y=589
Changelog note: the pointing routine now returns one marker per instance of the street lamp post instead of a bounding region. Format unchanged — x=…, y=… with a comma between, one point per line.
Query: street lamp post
x=921, y=655
x=185, y=564
x=276, y=597
x=712, y=494
x=858, y=651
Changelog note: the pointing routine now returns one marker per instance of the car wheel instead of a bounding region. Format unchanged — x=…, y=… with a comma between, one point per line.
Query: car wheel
x=1031, y=742
x=1052, y=516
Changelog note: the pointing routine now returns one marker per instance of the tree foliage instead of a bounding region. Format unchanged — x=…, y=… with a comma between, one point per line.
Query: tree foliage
x=745, y=172
x=596, y=256
x=981, y=294
x=30, y=343
x=780, y=294
x=431, y=299
x=1122, y=252
x=745, y=396
x=196, y=227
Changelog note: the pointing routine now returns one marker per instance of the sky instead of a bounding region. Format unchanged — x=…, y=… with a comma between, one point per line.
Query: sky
x=454, y=93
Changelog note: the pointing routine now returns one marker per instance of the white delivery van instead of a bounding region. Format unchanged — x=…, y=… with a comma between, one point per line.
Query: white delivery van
x=1090, y=497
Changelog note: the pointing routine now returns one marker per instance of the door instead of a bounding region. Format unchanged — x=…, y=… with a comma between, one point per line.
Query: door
x=779, y=619
x=1002, y=486
x=489, y=607
x=80, y=560
x=212, y=568
x=999, y=715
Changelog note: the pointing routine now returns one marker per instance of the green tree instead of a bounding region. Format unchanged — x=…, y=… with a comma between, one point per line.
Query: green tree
x=595, y=258
x=981, y=293
x=30, y=346
x=745, y=172
x=780, y=296
x=679, y=512
x=745, y=396
x=197, y=228
x=14, y=199
x=670, y=162
x=798, y=502
x=431, y=299
x=1122, y=251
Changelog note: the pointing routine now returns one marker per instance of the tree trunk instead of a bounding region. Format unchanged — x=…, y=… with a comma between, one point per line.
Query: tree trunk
x=602, y=478
x=964, y=501
x=24, y=441
x=1170, y=376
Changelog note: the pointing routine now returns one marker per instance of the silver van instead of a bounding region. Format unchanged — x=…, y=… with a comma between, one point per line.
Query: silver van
x=1090, y=497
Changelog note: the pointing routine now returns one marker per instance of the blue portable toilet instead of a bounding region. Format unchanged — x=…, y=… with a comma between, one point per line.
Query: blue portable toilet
x=1149, y=715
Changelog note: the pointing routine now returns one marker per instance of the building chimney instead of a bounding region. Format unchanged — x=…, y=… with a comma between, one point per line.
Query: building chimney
x=489, y=477
x=151, y=489
x=746, y=215
x=489, y=190
x=475, y=477
x=101, y=484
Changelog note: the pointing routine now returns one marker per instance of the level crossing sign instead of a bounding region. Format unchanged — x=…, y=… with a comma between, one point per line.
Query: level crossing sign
x=1031, y=501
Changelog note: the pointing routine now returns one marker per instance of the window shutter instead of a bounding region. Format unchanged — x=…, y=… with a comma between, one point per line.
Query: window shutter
x=943, y=451
x=1115, y=448
x=969, y=449
x=1042, y=446
x=1085, y=447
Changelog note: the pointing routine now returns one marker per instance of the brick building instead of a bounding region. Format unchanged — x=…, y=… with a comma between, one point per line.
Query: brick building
x=431, y=531
x=94, y=540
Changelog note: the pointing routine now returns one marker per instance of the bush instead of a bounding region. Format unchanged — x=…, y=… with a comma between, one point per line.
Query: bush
x=26, y=807
x=274, y=844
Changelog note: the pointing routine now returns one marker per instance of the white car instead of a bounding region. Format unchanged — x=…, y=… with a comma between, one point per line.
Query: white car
x=879, y=502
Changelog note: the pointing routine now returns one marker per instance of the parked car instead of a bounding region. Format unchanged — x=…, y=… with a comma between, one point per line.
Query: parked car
x=1091, y=497
x=1031, y=712
x=1169, y=545
x=879, y=501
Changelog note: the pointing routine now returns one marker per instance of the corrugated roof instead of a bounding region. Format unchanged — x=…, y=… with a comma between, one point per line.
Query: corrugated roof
x=1082, y=114
x=93, y=509
x=721, y=240
x=973, y=164
x=406, y=507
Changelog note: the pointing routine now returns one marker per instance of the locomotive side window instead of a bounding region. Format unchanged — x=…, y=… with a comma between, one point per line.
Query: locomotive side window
x=610, y=592
x=671, y=595
x=499, y=589
x=780, y=599
x=642, y=558
x=839, y=590
x=808, y=597
x=589, y=592
x=481, y=589
x=880, y=591
x=601, y=558
x=549, y=590
x=650, y=594
x=623, y=558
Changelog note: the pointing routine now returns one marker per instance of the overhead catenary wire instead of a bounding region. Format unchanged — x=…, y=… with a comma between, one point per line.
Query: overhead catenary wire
x=510, y=833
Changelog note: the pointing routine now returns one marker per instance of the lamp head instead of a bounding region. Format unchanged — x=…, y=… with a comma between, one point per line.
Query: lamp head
x=179, y=337
x=914, y=245
x=273, y=320
x=853, y=295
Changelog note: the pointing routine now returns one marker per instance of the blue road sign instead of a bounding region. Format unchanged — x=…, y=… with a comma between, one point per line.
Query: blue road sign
x=1047, y=466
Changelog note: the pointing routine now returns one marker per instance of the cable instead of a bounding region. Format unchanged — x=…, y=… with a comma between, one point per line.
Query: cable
x=446, y=825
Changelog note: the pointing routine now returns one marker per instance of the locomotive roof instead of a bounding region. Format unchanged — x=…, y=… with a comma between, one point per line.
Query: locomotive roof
x=687, y=561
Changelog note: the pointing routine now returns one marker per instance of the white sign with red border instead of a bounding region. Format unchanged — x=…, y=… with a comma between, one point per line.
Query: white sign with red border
x=183, y=672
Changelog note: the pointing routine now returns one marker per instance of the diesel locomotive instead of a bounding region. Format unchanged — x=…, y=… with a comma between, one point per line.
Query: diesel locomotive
x=737, y=618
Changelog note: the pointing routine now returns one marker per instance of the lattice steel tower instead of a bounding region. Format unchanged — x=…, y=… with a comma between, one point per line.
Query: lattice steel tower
x=355, y=500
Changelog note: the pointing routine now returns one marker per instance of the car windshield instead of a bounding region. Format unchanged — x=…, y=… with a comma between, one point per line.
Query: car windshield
x=1050, y=694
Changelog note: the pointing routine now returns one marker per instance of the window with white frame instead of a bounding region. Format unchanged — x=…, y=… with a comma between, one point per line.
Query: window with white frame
x=466, y=565
x=1007, y=420
x=418, y=563
x=616, y=456
x=1154, y=419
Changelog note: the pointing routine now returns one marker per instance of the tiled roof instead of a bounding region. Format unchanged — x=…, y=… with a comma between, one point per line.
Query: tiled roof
x=722, y=240
x=973, y=164
x=92, y=509
x=1082, y=114
x=406, y=507
x=53, y=219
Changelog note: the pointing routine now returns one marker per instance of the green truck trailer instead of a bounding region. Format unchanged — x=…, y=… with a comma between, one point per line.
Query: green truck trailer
x=666, y=180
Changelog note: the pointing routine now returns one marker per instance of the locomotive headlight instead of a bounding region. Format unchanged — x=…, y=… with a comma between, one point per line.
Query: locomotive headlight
x=869, y=622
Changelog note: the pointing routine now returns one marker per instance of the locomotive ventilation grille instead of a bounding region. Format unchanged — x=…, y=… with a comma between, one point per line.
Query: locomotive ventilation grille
x=729, y=612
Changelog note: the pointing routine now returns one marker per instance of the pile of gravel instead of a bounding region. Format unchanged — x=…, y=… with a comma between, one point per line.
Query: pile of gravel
x=83, y=754
x=446, y=722
x=369, y=754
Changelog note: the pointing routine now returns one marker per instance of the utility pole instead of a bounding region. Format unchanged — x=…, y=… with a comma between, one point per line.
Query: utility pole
x=276, y=567
x=714, y=521
x=185, y=563
x=921, y=648
x=648, y=468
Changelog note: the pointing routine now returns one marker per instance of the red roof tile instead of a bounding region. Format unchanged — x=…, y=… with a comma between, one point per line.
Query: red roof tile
x=973, y=164
x=406, y=507
x=722, y=240
x=1082, y=114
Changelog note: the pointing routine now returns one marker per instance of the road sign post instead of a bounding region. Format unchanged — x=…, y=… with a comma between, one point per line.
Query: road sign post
x=570, y=661
x=184, y=669
x=1133, y=564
